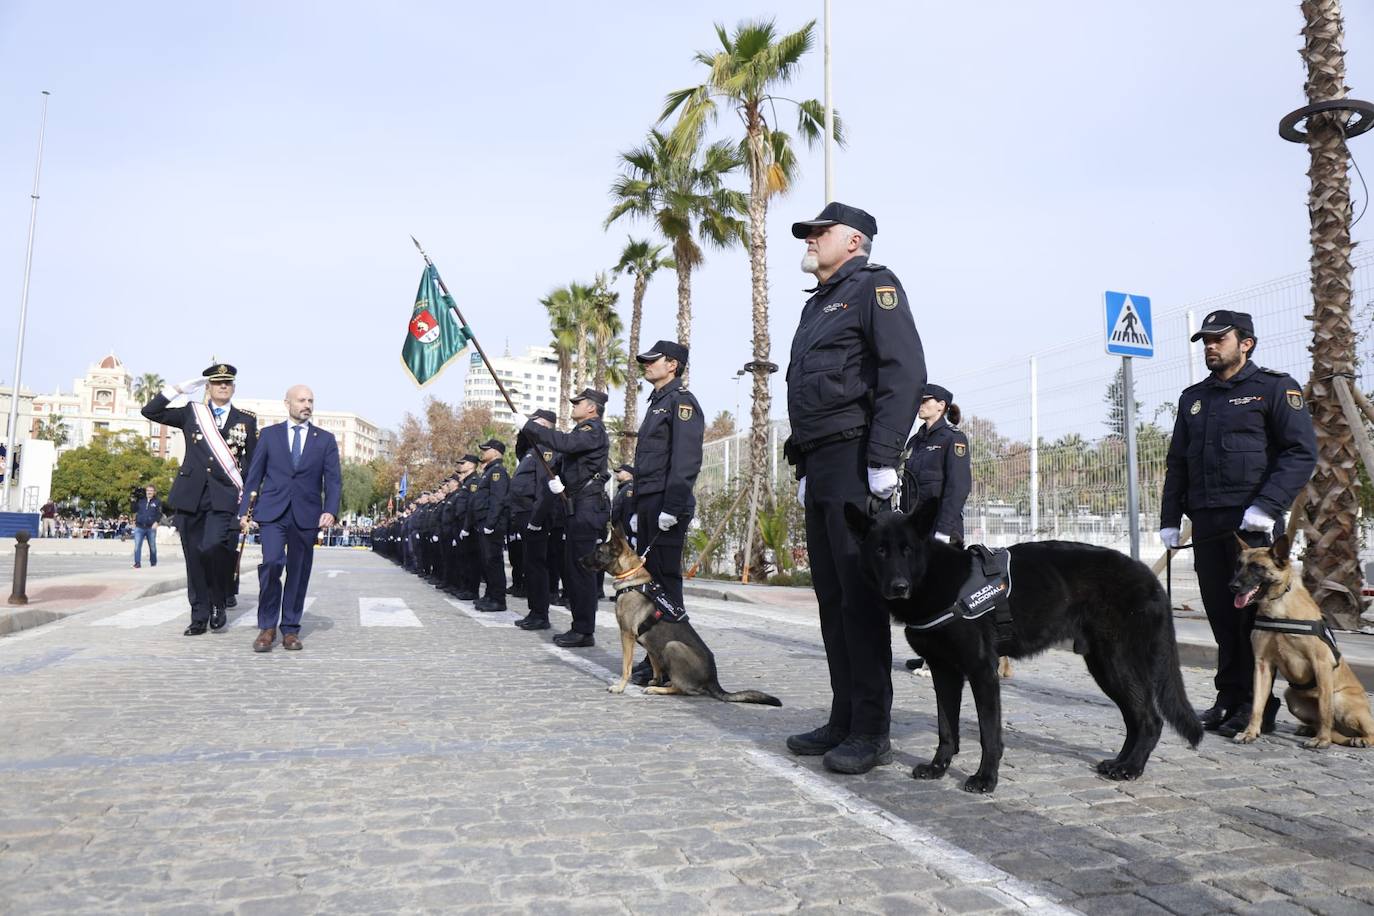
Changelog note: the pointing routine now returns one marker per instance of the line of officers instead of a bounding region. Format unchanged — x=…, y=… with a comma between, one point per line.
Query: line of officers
x=554, y=508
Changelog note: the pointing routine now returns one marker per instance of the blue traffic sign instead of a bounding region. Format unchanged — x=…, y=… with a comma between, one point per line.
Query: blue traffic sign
x=1129, y=331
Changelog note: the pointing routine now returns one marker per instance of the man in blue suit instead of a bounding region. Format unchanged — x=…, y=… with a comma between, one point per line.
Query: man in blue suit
x=295, y=462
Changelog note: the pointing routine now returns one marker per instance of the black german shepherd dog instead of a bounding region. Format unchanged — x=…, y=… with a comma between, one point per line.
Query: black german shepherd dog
x=1109, y=606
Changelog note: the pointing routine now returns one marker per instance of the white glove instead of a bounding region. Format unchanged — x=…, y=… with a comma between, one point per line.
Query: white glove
x=186, y=387
x=666, y=521
x=1171, y=537
x=556, y=485
x=453, y=543
x=1256, y=519
x=634, y=524
x=535, y=527
x=464, y=533
x=801, y=491
x=434, y=538
x=515, y=537
x=882, y=482
x=521, y=421
x=942, y=538
x=488, y=530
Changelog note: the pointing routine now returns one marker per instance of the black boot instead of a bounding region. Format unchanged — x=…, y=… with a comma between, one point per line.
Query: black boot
x=859, y=754
x=817, y=741
x=643, y=673
x=1213, y=717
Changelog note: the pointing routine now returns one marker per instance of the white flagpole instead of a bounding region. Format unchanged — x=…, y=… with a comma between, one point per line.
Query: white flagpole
x=829, y=115
x=13, y=426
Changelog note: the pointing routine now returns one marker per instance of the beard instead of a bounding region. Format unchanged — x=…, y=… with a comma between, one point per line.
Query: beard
x=1219, y=363
x=810, y=262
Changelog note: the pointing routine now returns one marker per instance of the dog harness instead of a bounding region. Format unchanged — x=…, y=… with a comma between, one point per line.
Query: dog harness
x=1317, y=628
x=664, y=607
x=987, y=588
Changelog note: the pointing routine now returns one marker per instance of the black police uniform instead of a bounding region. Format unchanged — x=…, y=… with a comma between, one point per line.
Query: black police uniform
x=854, y=384
x=623, y=508
x=1246, y=441
x=545, y=511
x=584, y=451
x=452, y=515
x=206, y=501
x=938, y=467
x=522, y=493
x=667, y=461
x=490, y=511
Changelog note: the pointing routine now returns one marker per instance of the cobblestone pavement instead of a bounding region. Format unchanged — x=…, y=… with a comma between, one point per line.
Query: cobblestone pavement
x=420, y=756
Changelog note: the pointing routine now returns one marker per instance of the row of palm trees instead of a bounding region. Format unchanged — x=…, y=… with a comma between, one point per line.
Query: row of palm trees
x=678, y=182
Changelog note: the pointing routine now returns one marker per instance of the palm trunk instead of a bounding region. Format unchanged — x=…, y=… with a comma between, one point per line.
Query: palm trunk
x=1331, y=569
x=759, y=464
x=630, y=429
x=580, y=367
x=599, y=374
x=682, y=256
x=564, y=388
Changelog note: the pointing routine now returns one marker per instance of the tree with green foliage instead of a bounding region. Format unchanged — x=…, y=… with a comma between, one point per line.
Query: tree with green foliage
x=640, y=259
x=103, y=475
x=54, y=429
x=358, y=488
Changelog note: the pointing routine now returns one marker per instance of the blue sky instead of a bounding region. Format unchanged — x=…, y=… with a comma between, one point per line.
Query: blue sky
x=241, y=178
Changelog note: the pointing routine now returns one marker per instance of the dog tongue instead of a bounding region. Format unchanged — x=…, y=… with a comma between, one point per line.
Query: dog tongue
x=1244, y=598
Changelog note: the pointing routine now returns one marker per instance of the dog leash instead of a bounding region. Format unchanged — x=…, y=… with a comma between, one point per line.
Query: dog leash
x=1169, y=558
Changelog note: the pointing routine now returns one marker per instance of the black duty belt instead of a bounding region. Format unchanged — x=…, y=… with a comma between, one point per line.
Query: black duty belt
x=987, y=588
x=841, y=436
x=1317, y=628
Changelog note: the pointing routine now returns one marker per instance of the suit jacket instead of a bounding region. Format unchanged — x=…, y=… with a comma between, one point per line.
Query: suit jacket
x=199, y=470
x=282, y=488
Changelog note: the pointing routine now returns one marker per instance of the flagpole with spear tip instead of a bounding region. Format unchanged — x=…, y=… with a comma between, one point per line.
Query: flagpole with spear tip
x=491, y=370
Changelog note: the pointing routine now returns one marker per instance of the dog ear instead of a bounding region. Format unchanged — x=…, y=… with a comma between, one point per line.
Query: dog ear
x=923, y=519
x=858, y=520
x=1280, y=550
x=1241, y=545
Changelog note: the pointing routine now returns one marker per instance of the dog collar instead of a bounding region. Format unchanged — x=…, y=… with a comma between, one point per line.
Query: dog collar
x=626, y=575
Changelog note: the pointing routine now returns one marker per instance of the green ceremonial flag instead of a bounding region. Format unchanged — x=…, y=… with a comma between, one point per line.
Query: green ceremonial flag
x=434, y=336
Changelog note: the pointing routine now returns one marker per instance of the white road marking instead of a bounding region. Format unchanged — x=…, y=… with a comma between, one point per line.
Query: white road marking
x=249, y=618
x=485, y=618
x=386, y=612
x=147, y=615
x=337, y=572
x=587, y=666
x=934, y=852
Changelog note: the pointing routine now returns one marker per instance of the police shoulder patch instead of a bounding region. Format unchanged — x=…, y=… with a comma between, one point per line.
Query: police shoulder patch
x=960, y=449
x=548, y=454
x=887, y=296
x=472, y=487
x=1294, y=398
x=684, y=411
x=585, y=428
x=1197, y=406
x=496, y=476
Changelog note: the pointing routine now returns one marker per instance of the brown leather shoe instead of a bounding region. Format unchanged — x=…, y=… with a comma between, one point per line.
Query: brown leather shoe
x=265, y=639
x=291, y=642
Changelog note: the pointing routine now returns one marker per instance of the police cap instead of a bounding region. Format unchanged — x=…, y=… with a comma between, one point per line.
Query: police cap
x=588, y=394
x=470, y=459
x=835, y=213
x=669, y=348
x=1223, y=320
x=544, y=413
x=221, y=372
x=494, y=443
x=939, y=393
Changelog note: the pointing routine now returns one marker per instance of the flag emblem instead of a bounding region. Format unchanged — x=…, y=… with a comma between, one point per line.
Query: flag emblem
x=423, y=325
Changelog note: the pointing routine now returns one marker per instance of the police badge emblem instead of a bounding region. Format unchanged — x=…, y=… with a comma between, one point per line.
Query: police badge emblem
x=960, y=449
x=887, y=297
x=684, y=411
x=548, y=454
x=1197, y=406
x=1294, y=398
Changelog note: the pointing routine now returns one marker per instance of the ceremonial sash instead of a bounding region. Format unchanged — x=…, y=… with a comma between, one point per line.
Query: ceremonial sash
x=218, y=447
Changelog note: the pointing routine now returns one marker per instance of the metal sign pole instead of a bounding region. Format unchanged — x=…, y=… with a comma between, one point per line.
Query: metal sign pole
x=1132, y=475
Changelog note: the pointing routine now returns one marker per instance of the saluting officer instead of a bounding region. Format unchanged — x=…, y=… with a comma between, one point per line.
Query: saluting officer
x=1243, y=446
x=522, y=493
x=623, y=503
x=938, y=466
x=489, y=512
x=854, y=382
x=544, y=513
x=582, y=478
x=219, y=439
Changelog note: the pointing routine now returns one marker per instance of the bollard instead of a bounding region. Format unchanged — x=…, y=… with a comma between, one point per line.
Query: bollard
x=21, y=569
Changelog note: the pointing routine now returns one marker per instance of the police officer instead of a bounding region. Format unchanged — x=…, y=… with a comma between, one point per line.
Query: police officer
x=854, y=382
x=623, y=503
x=937, y=467
x=219, y=439
x=545, y=511
x=452, y=517
x=489, y=514
x=582, y=478
x=469, y=554
x=667, y=461
x=1243, y=446
x=522, y=493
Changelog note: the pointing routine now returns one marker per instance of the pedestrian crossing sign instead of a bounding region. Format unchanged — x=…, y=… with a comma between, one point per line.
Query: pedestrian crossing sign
x=1129, y=330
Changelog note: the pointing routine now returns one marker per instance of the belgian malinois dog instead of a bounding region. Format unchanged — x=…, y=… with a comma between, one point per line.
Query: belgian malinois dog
x=1323, y=693
x=682, y=662
x=1111, y=607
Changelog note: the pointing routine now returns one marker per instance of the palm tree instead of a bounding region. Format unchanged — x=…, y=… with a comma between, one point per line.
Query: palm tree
x=145, y=386
x=559, y=305
x=1331, y=568
x=680, y=187
x=604, y=326
x=742, y=77
x=641, y=259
